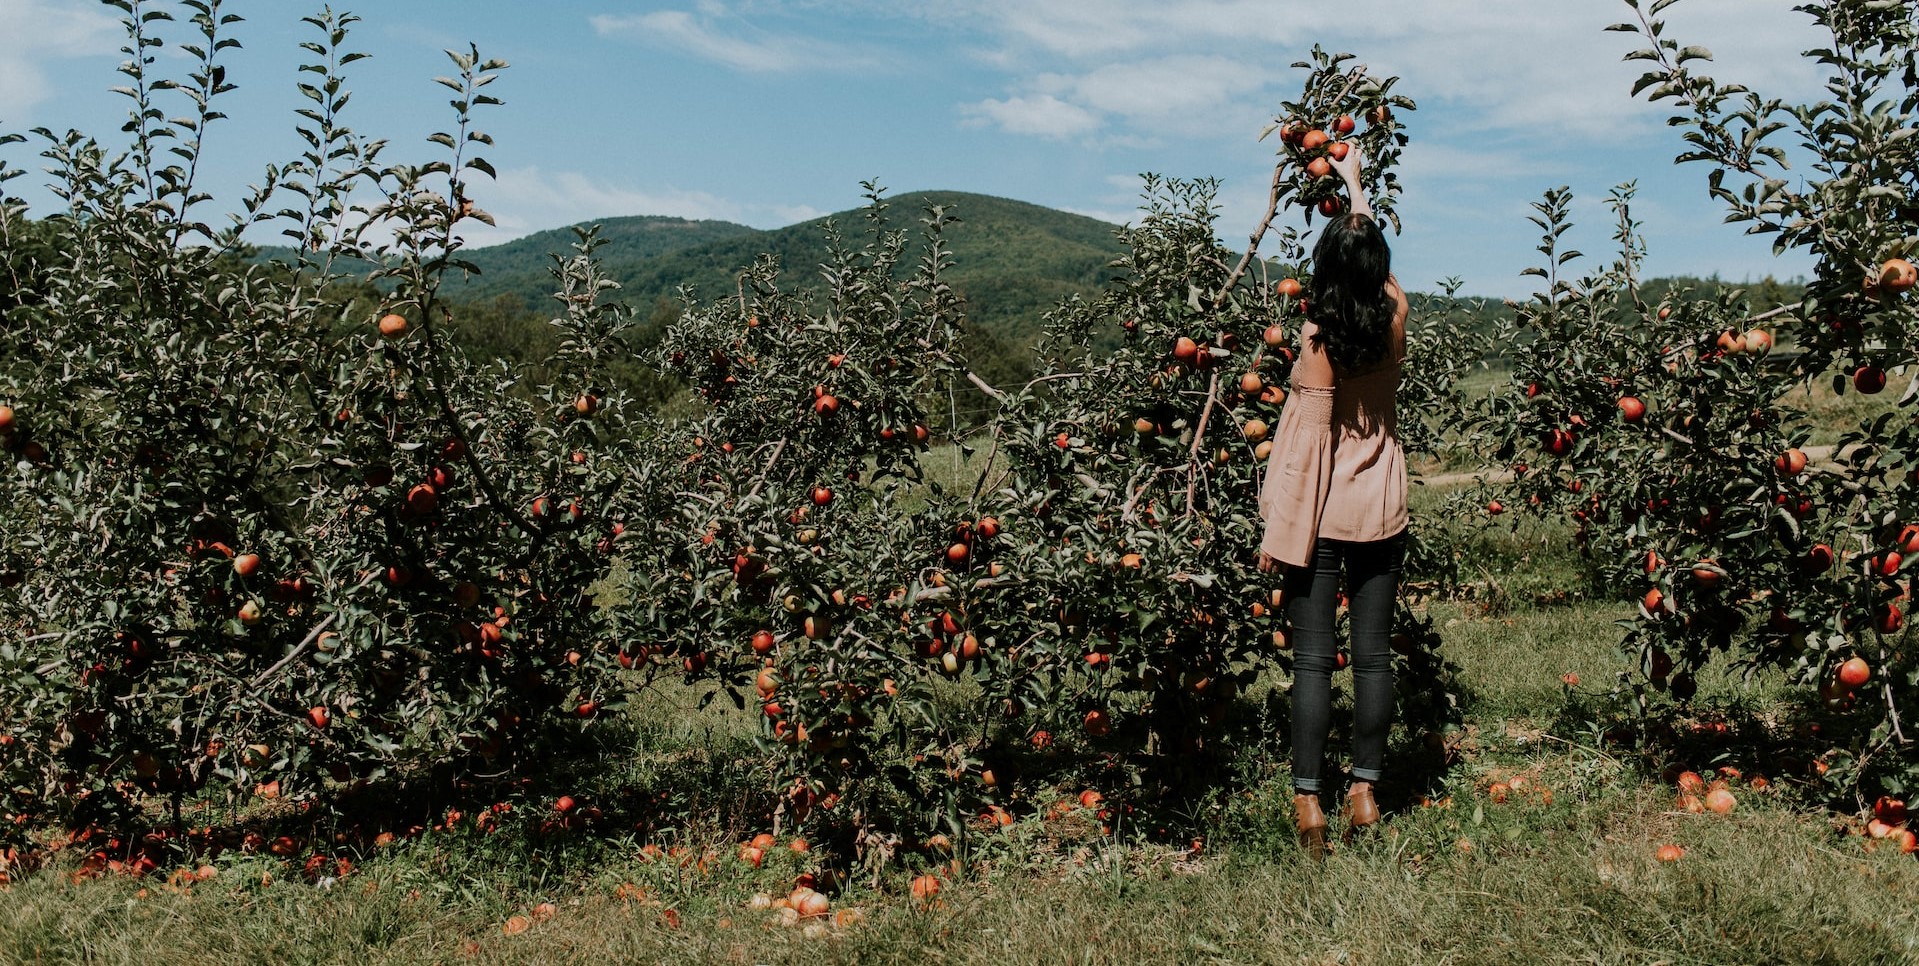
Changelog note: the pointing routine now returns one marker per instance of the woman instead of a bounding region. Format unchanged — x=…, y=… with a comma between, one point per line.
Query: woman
x=1335, y=499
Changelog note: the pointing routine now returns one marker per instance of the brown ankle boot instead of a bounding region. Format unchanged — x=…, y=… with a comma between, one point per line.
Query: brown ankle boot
x=1312, y=824
x=1361, y=810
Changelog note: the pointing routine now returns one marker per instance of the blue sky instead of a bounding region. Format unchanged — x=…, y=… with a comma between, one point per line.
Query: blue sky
x=768, y=112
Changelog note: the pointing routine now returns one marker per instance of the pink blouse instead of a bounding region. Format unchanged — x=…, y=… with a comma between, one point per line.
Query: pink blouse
x=1337, y=469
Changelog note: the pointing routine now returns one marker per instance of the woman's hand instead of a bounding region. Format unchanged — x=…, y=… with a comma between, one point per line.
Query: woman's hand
x=1348, y=167
x=1268, y=564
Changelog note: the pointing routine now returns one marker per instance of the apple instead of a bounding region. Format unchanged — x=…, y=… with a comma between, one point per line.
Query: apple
x=1884, y=565
x=1098, y=724
x=6, y=420
x=1313, y=140
x=1338, y=150
x=1632, y=409
x=1319, y=168
x=826, y=405
x=251, y=613
x=422, y=499
x=1869, y=379
x=392, y=326
x=318, y=717
x=987, y=528
x=1897, y=276
x=587, y=404
x=1251, y=384
x=246, y=564
x=1185, y=349
x=762, y=641
x=1854, y=673
x=1495, y=508
x=1344, y=124
x=1331, y=206
x=1819, y=558
x=1908, y=540
x=1288, y=288
x=1792, y=462
x=1757, y=342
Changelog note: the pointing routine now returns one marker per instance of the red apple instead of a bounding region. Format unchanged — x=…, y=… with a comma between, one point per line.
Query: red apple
x=1869, y=379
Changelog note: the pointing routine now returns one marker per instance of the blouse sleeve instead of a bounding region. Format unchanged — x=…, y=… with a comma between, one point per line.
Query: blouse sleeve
x=1298, y=476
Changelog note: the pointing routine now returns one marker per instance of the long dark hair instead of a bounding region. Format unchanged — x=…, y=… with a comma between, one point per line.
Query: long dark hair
x=1349, y=300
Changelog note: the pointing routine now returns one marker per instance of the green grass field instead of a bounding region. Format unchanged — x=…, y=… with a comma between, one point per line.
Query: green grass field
x=1563, y=870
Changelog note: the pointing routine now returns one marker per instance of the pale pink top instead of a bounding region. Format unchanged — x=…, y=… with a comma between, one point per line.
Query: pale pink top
x=1337, y=469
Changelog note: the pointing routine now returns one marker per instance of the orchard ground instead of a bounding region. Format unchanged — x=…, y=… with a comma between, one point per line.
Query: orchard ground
x=1538, y=843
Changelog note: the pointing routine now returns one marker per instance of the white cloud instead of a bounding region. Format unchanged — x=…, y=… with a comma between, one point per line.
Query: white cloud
x=33, y=32
x=1175, y=67
x=1041, y=114
x=711, y=32
x=529, y=199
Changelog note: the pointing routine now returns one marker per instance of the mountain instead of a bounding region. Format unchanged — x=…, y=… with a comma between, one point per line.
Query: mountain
x=1012, y=260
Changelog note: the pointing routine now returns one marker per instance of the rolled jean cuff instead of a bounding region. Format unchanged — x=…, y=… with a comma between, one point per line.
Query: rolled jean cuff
x=1308, y=785
x=1366, y=774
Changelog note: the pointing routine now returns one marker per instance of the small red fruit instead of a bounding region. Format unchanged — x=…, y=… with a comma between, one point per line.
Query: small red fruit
x=1869, y=379
x=1897, y=276
x=318, y=717
x=392, y=326
x=1344, y=124
x=422, y=499
x=1854, y=673
x=1719, y=801
x=1632, y=409
x=1098, y=724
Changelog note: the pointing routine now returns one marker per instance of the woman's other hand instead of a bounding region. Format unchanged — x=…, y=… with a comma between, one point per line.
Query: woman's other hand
x=1268, y=564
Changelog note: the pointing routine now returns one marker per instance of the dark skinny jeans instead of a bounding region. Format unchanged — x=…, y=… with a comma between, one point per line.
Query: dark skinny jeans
x=1372, y=582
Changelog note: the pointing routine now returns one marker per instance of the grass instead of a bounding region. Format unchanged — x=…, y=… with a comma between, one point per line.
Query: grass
x=1462, y=879
x=1455, y=876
